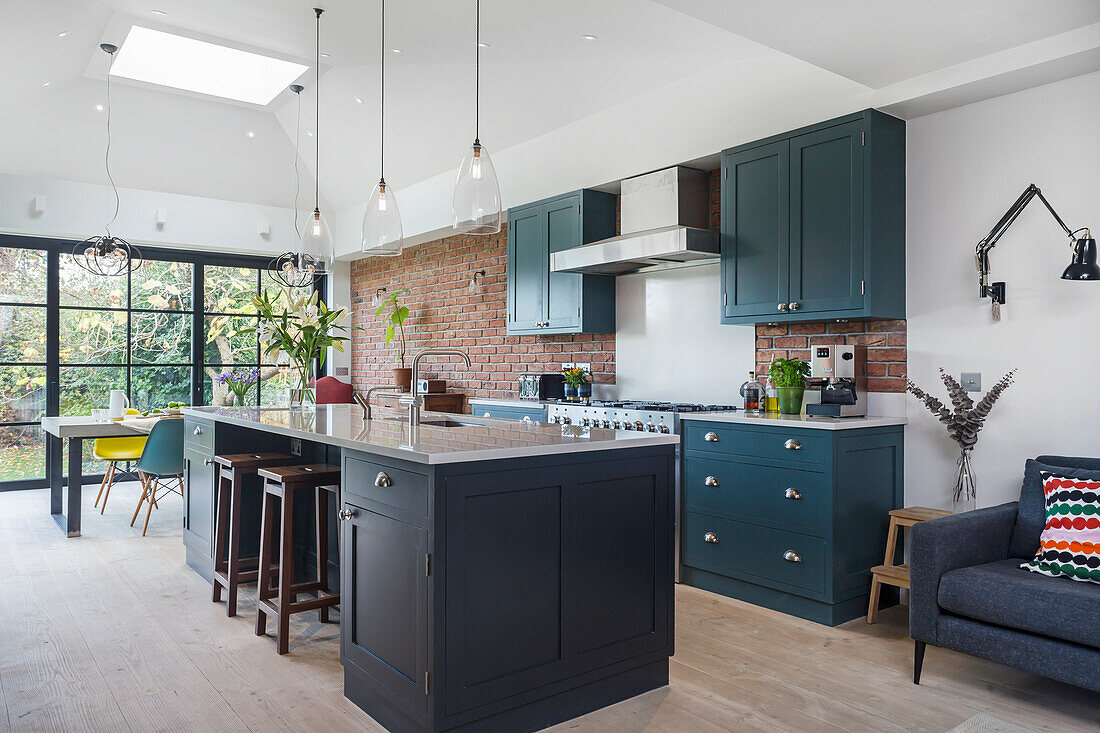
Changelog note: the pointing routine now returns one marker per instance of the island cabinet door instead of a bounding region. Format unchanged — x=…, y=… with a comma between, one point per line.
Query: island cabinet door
x=198, y=501
x=384, y=603
x=553, y=572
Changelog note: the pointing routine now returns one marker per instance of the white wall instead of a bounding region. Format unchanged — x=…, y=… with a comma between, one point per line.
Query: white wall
x=965, y=167
x=669, y=344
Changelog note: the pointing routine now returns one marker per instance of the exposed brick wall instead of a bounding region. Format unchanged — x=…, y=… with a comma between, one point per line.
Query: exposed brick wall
x=885, y=342
x=446, y=314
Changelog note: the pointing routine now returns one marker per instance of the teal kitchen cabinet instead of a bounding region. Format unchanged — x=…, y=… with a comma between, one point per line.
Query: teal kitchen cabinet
x=789, y=518
x=544, y=302
x=813, y=223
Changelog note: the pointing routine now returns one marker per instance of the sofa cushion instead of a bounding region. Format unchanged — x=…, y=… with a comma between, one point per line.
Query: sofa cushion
x=1003, y=594
x=1070, y=544
x=1031, y=516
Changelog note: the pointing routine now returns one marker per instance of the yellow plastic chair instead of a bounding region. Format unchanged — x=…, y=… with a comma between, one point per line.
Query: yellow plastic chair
x=114, y=451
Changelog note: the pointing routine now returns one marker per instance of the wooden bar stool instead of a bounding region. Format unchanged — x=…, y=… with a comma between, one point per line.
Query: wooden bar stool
x=229, y=570
x=888, y=573
x=278, y=596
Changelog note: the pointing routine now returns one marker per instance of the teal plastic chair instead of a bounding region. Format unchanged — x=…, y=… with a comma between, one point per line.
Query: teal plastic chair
x=160, y=466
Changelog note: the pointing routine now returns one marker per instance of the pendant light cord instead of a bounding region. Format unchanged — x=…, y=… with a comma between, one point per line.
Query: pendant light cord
x=477, y=70
x=382, y=99
x=317, y=120
x=107, y=154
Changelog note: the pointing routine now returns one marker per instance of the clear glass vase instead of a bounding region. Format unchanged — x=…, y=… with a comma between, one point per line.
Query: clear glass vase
x=965, y=496
x=303, y=397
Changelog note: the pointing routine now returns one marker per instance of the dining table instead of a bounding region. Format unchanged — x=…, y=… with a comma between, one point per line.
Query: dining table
x=65, y=496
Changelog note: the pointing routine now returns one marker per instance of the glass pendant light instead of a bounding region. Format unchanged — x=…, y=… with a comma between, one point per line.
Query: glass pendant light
x=476, y=205
x=382, y=220
x=108, y=255
x=289, y=269
x=316, y=252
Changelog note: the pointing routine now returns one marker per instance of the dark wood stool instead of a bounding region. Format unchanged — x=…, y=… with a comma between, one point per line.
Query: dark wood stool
x=229, y=570
x=279, y=596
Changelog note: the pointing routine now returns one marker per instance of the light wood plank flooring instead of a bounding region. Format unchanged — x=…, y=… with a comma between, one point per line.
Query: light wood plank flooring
x=113, y=632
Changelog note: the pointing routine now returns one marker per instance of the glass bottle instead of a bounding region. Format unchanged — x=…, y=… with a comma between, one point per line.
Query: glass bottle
x=771, y=397
x=753, y=394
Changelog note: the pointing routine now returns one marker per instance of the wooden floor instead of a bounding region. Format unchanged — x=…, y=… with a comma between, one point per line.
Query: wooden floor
x=113, y=632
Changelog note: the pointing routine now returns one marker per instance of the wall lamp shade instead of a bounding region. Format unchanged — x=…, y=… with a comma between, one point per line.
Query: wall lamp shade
x=1083, y=267
x=382, y=223
x=475, y=208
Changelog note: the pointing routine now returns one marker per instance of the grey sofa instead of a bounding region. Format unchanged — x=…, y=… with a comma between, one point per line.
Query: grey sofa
x=968, y=593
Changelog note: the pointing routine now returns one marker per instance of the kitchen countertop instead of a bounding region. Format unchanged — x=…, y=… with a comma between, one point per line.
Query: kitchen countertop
x=797, y=421
x=477, y=439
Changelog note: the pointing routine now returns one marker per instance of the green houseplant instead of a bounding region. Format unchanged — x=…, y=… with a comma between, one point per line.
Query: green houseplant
x=395, y=314
x=789, y=378
x=299, y=332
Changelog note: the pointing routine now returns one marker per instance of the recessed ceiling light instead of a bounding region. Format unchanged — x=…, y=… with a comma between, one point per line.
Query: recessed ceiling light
x=158, y=12
x=396, y=50
x=309, y=132
x=99, y=108
x=589, y=37
x=250, y=133
x=325, y=56
x=483, y=44
x=174, y=61
x=62, y=34
x=45, y=83
x=359, y=100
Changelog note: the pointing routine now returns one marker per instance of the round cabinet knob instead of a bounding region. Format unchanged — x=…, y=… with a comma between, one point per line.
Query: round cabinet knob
x=711, y=437
x=346, y=514
x=711, y=538
x=382, y=480
x=710, y=481
x=198, y=430
x=792, y=556
x=792, y=444
x=782, y=307
x=486, y=415
x=209, y=462
x=794, y=494
x=795, y=306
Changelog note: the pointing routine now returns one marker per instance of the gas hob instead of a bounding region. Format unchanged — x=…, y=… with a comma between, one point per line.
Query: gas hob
x=642, y=416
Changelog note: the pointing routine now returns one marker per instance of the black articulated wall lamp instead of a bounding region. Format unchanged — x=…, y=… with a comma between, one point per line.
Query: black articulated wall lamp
x=1082, y=267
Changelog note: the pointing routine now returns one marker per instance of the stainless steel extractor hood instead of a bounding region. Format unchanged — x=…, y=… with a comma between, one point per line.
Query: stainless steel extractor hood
x=664, y=217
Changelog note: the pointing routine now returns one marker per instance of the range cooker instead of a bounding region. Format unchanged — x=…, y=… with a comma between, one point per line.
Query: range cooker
x=642, y=416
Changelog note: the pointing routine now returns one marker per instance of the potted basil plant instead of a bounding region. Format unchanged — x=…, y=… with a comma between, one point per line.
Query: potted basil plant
x=789, y=378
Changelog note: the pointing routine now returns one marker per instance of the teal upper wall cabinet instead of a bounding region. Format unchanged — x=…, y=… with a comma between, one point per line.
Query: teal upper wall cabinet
x=545, y=302
x=813, y=223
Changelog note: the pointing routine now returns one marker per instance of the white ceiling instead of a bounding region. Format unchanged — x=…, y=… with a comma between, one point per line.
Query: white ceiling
x=538, y=77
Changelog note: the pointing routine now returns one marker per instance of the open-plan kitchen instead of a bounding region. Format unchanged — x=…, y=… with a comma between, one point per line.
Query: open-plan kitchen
x=622, y=365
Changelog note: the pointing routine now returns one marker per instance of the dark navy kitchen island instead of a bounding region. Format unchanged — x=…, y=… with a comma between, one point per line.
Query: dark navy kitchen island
x=494, y=575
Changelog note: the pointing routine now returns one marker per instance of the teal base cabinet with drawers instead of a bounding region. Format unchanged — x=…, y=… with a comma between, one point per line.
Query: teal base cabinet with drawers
x=535, y=412
x=788, y=518
x=813, y=223
x=544, y=302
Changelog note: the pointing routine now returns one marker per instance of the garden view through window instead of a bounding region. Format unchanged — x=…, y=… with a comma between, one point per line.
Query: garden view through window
x=162, y=334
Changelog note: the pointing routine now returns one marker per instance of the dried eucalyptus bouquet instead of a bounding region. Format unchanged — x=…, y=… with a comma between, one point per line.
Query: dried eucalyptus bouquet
x=963, y=422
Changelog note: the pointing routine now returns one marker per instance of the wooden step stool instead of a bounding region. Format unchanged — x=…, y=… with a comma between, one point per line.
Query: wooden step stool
x=888, y=573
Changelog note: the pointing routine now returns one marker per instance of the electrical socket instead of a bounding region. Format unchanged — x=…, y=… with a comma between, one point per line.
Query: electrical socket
x=295, y=446
x=587, y=366
x=566, y=365
x=971, y=381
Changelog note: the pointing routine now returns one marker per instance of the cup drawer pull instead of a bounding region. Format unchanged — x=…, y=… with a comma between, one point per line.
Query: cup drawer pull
x=793, y=494
x=382, y=480
x=710, y=481
x=711, y=538
x=792, y=556
x=792, y=444
x=711, y=437
x=198, y=430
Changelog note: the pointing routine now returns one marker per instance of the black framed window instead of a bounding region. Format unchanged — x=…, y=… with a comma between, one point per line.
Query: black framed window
x=162, y=333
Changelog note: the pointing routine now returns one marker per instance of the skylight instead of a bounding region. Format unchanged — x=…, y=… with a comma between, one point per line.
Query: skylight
x=207, y=68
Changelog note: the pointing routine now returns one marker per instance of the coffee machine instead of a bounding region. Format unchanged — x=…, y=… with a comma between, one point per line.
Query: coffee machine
x=838, y=381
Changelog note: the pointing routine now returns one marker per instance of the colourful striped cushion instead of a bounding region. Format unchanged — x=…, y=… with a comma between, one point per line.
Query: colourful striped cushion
x=1070, y=543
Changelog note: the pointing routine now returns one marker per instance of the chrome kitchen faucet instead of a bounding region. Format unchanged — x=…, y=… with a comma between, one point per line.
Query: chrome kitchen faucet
x=417, y=400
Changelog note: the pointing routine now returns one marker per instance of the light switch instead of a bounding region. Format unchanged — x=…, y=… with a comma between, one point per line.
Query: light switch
x=971, y=381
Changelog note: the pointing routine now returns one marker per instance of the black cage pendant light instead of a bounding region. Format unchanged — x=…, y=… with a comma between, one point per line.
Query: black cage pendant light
x=382, y=235
x=315, y=252
x=475, y=207
x=288, y=269
x=107, y=254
